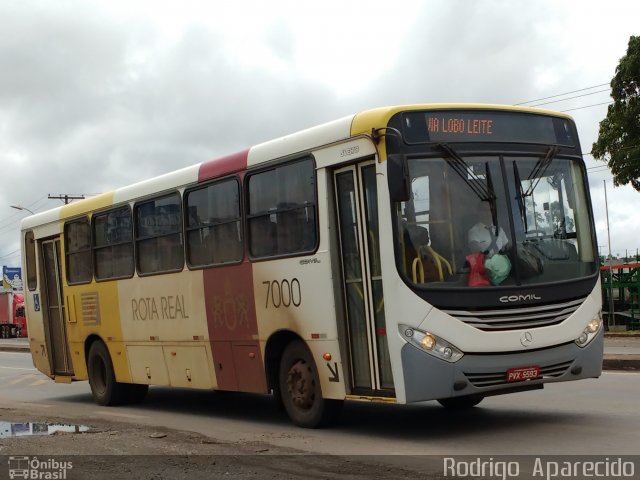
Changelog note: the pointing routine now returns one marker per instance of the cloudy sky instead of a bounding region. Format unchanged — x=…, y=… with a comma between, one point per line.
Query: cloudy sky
x=95, y=95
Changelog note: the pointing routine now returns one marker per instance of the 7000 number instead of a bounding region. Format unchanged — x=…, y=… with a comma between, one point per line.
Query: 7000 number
x=283, y=293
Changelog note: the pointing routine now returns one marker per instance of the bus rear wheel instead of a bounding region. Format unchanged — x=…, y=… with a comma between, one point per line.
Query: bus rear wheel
x=102, y=380
x=461, y=403
x=300, y=389
x=104, y=388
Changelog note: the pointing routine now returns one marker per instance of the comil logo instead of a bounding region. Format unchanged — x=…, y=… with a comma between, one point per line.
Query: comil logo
x=519, y=298
x=36, y=469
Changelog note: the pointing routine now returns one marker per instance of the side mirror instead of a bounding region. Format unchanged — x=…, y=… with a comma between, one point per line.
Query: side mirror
x=398, y=178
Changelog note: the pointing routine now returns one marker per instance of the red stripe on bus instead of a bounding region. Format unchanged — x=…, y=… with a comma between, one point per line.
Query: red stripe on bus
x=233, y=328
x=223, y=166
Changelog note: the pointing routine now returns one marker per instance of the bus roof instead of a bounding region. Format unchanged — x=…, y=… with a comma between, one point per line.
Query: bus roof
x=331, y=132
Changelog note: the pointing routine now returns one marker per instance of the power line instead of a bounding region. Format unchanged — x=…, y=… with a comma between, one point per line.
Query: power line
x=629, y=147
x=10, y=254
x=607, y=165
x=12, y=220
x=569, y=98
x=562, y=94
x=586, y=106
x=15, y=217
x=598, y=168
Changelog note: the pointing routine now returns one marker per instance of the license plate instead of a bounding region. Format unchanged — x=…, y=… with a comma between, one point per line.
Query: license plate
x=523, y=374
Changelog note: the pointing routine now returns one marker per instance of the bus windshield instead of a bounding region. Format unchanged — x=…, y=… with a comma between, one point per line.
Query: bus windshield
x=494, y=220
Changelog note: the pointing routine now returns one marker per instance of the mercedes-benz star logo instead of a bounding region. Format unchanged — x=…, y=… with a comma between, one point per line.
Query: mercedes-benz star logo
x=526, y=339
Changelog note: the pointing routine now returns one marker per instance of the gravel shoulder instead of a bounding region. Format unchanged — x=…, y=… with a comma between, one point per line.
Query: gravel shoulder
x=113, y=450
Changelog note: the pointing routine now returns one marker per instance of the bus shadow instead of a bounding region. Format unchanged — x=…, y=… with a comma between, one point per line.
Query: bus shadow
x=215, y=404
x=205, y=403
x=430, y=421
x=422, y=421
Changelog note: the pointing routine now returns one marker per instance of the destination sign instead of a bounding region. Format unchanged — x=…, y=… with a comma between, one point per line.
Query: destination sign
x=454, y=126
x=486, y=126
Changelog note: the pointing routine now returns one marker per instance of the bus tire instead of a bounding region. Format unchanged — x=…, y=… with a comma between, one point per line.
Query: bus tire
x=300, y=389
x=104, y=388
x=461, y=403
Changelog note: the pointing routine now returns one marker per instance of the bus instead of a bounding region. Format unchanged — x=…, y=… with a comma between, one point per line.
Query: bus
x=402, y=254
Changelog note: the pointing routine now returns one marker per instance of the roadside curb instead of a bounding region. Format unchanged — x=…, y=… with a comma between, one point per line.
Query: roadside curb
x=621, y=362
x=14, y=348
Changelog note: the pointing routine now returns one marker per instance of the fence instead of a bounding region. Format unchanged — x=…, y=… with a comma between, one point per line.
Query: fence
x=620, y=295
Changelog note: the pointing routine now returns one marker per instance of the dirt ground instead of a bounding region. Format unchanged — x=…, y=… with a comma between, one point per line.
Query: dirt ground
x=114, y=450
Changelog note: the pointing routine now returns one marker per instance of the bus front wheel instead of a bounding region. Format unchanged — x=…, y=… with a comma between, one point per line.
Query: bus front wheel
x=300, y=389
x=461, y=403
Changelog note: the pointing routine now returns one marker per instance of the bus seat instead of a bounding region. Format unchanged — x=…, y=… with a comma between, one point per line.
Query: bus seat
x=417, y=270
x=413, y=237
x=440, y=260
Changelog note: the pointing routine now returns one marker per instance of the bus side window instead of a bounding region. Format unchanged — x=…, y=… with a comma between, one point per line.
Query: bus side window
x=228, y=242
x=199, y=247
x=113, y=244
x=214, y=235
x=30, y=250
x=296, y=229
x=77, y=236
x=159, y=235
x=262, y=232
x=282, y=210
x=225, y=218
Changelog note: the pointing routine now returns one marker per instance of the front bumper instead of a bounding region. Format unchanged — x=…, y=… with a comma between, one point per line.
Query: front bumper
x=429, y=378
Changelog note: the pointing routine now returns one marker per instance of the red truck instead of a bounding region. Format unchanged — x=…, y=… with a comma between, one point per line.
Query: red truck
x=12, y=318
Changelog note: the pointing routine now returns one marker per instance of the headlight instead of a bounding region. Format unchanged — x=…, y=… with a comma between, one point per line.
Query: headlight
x=430, y=343
x=590, y=331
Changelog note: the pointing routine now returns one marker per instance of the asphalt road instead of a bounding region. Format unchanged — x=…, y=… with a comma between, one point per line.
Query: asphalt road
x=598, y=416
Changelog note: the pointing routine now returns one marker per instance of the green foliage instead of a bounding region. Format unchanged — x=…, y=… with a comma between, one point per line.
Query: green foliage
x=619, y=138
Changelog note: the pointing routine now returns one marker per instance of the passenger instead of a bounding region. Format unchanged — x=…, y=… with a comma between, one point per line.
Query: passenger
x=484, y=237
x=486, y=243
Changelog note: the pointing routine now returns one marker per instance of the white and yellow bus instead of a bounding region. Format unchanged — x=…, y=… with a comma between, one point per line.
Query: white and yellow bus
x=402, y=254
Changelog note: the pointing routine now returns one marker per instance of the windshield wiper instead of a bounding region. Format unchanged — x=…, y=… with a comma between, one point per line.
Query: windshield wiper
x=483, y=191
x=520, y=196
x=541, y=167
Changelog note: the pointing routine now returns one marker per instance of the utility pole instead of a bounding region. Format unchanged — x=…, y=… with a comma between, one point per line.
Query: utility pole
x=66, y=197
x=611, y=318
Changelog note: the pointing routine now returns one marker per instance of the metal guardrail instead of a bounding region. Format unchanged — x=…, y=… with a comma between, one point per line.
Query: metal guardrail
x=621, y=295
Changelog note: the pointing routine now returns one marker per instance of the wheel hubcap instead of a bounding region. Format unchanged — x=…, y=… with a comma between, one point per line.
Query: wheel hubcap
x=300, y=385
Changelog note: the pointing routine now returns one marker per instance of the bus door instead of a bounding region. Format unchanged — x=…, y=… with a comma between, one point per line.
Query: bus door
x=54, y=310
x=357, y=205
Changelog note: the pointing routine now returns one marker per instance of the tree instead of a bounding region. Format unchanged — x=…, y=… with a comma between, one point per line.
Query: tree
x=619, y=138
